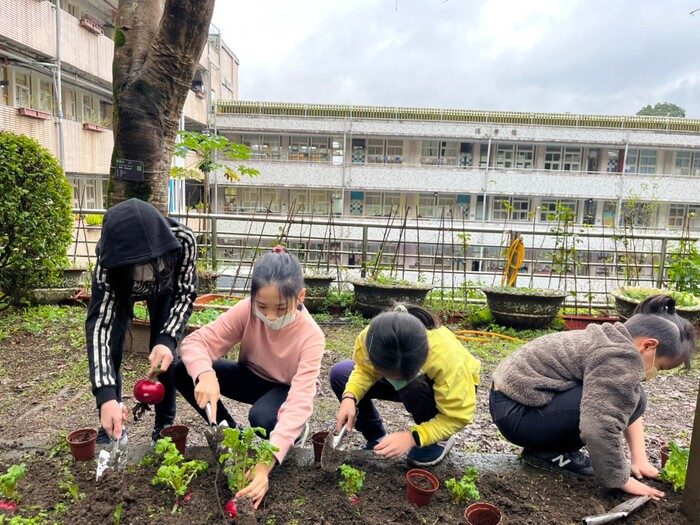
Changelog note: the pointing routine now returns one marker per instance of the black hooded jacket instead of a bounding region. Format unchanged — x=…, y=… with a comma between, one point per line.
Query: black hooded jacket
x=134, y=232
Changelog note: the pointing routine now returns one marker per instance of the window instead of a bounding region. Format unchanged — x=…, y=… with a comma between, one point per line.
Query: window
x=316, y=202
x=439, y=152
x=45, y=96
x=381, y=204
x=562, y=159
x=299, y=148
x=252, y=200
x=431, y=205
x=642, y=161
x=644, y=214
x=687, y=163
x=85, y=193
x=384, y=151
x=515, y=156
x=513, y=208
x=552, y=210
x=23, y=91
x=263, y=146
x=358, y=151
x=88, y=109
x=679, y=213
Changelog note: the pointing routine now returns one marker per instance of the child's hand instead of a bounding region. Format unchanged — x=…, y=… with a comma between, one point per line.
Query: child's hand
x=346, y=413
x=395, y=445
x=644, y=470
x=160, y=359
x=207, y=391
x=637, y=488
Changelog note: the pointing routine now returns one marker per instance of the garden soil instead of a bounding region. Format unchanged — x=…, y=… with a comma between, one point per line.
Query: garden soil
x=44, y=393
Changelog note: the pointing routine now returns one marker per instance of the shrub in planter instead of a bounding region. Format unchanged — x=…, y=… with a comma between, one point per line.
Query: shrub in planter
x=627, y=299
x=35, y=218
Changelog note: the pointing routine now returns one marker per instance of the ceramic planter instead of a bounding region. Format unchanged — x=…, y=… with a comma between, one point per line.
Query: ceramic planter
x=178, y=433
x=580, y=322
x=483, y=514
x=372, y=298
x=420, y=486
x=83, y=443
x=317, y=287
x=318, y=440
x=625, y=305
x=523, y=307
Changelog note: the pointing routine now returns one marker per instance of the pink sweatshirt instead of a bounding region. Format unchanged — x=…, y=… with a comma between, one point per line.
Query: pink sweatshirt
x=291, y=356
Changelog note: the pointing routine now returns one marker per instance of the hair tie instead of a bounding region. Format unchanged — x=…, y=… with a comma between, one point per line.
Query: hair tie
x=279, y=249
x=400, y=308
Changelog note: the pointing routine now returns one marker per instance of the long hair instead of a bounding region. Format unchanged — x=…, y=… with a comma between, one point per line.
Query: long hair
x=397, y=340
x=656, y=317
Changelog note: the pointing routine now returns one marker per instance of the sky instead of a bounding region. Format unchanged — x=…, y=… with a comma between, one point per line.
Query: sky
x=609, y=57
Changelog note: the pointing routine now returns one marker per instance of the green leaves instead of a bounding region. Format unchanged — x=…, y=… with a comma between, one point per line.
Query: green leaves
x=8, y=481
x=465, y=489
x=35, y=217
x=676, y=466
x=175, y=472
x=242, y=454
x=352, y=481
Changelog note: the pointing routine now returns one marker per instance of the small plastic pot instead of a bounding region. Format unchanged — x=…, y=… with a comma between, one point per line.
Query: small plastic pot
x=663, y=453
x=82, y=443
x=317, y=440
x=483, y=514
x=178, y=433
x=420, y=486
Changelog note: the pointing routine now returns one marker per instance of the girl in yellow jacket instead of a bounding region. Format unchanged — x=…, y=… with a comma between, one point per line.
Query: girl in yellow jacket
x=406, y=356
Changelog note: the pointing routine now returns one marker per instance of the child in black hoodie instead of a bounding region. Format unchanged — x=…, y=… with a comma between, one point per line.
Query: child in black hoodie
x=141, y=255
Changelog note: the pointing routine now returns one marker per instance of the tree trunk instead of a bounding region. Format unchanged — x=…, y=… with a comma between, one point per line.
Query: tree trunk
x=156, y=54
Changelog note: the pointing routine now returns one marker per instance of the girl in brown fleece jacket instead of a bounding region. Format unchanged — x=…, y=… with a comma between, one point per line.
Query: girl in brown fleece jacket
x=566, y=390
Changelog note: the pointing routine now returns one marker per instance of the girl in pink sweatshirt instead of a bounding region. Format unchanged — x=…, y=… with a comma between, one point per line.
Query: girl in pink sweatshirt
x=279, y=360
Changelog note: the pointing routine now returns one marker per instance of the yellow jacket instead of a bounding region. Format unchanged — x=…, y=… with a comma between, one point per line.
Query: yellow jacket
x=454, y=372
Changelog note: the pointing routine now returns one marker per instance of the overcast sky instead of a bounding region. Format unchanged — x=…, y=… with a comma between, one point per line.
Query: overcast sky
x=580, y=56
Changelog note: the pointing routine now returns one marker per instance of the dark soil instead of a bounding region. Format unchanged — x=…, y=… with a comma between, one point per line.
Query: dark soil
x=45, y=393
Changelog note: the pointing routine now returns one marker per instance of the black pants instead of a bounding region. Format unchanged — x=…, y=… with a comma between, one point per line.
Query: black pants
x=237, y=382
x=553, y=427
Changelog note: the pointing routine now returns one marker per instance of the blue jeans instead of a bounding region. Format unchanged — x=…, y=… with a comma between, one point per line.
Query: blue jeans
x=417, y=396
x=553, y=427
x=237, y=382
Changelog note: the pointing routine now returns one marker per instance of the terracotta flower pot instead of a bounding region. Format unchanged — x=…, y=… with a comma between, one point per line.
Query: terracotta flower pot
x=663, y=453
x=483, y=514
x=178, y=433
x=82, y=443
x=317, y=440
x=420, y=486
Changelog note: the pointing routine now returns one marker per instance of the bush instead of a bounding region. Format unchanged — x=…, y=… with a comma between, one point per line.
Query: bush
x=35, y=218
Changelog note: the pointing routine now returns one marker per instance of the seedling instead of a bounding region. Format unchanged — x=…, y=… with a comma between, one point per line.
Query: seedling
x=240, y=458
x=352, y=481
x=175, y=472
x=676, y=466
x=465, y=489
x=8, y=484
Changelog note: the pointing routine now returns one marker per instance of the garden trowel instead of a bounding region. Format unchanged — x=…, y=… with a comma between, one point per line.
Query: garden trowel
x=113, y=459
x=214, y=434
x=616, y=513
x=331, y=456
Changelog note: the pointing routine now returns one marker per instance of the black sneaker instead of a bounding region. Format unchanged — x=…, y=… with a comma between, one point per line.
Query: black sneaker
x=155, y=435
x=576, y=464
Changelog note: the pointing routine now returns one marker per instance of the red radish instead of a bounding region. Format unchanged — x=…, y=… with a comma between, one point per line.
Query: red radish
x=9, y=505
x=149, y=392
x=231, y=508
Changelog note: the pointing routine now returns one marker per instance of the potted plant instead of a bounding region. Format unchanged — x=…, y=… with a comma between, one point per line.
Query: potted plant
x=627, y=298
x=91, y=24
x=382, y=291
x=83, y=443
x=317, y=284
x=521, y=307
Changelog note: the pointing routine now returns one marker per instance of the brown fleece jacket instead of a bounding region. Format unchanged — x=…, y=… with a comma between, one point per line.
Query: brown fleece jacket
x=604, y=359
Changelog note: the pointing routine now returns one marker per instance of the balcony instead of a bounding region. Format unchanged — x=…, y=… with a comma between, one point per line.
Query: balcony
x=32, y=26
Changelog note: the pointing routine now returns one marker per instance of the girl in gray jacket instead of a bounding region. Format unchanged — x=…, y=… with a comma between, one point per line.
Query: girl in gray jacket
x=565, y=390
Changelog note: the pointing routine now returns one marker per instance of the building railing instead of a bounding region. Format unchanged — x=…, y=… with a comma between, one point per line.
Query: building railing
x=455, y=115
x=448, y=255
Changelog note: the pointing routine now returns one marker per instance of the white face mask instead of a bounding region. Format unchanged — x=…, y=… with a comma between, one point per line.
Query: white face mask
x=278, y=323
